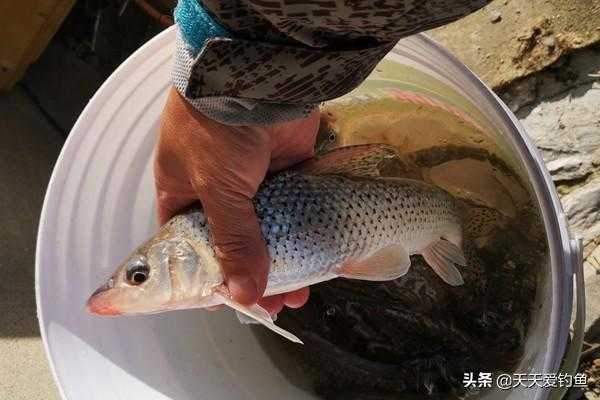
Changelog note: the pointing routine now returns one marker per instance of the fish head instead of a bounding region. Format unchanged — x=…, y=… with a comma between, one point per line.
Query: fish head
x=168, y=272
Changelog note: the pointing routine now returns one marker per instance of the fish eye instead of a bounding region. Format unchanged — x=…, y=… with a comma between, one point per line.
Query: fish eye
x=331, y=137
x=138, y=274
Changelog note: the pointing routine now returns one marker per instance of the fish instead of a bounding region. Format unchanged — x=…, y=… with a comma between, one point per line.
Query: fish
x=321, y=220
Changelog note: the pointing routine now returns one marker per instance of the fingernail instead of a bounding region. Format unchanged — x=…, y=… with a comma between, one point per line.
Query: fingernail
x=243, y=289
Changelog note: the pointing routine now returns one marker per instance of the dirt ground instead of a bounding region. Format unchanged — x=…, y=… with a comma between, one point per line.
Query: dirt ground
x=510, y=39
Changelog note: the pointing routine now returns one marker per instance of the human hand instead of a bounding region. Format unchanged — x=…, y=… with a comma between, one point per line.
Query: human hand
x=222, y=166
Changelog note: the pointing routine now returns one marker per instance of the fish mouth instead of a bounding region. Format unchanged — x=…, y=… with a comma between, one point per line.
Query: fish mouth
x=100, y=302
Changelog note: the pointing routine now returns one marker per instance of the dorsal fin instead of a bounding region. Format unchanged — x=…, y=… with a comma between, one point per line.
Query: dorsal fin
x=362, y=160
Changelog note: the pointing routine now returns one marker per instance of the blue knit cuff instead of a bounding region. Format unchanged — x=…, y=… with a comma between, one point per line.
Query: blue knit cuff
x=197, y=25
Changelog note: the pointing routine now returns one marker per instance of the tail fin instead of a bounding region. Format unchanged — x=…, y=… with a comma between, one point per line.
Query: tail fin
x=441, y=256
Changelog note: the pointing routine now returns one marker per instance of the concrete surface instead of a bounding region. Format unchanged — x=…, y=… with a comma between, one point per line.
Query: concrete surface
x=61, y=71
x=29, y=146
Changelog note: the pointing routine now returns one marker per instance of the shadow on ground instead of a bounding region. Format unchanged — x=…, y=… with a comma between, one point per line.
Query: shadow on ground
x=29, y=146
x=570, y=78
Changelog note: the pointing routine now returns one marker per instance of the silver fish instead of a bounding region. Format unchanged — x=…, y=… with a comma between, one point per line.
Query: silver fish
x=320, y=221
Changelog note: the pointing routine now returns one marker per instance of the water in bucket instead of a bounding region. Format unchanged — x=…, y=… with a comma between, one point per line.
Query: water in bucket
x=417, y=334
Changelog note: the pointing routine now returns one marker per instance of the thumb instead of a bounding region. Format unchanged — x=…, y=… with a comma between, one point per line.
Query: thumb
x=238, y=242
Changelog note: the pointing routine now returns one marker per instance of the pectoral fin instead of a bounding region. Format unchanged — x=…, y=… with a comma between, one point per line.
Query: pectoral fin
x=384, y=265
x=260, y=315
x=441, y=257
x=246, y=320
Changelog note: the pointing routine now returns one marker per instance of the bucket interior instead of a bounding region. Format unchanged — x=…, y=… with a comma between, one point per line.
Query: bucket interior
x=99, y=206
x=417, y=73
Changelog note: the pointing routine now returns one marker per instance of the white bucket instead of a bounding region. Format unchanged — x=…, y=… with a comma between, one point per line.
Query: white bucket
x=100, y=205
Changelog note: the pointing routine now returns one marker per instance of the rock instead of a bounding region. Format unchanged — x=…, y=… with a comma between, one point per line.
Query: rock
x=520, y=93
x=591, y=265
x=570, y=168
x=582, y=207
x=592, y=303
x=495, y=16
x=549, y=41
x=576, y=28
x=566, y=124
x=591, y=396
x=596, y=158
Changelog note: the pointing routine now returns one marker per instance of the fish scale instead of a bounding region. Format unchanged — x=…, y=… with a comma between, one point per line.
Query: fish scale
x=338, y=218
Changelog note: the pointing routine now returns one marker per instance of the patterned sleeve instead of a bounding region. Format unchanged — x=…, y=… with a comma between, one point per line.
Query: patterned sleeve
x=276, y=59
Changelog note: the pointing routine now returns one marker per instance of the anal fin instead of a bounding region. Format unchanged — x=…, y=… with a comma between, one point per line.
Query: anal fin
x=260, y=315
x=441, y=257
x=386, y=264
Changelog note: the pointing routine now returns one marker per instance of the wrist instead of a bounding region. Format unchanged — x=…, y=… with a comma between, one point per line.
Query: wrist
x=230, y=110
x=196, y=25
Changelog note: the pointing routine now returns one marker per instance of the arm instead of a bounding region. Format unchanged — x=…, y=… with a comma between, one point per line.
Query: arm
x=280, y=58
